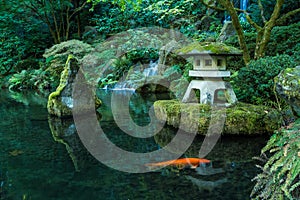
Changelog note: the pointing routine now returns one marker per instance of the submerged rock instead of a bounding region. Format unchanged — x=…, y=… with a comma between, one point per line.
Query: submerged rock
x=288, y=87
x=241, y=118
x=60, y=102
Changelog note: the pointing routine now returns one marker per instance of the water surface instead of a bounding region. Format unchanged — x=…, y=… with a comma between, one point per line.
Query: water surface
x=43, y=158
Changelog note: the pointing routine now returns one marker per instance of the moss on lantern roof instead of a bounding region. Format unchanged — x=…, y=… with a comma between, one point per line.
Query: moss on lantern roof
x=209, y=48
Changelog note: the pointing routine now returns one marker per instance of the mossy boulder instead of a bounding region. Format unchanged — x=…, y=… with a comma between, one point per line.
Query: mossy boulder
x=60, y=102
x=241, y=118
x=288, y=87
x=209, y=48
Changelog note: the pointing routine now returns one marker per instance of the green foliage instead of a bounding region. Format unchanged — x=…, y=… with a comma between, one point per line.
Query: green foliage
x=30, y=79
x=17, y=49
x=142, y=55
x=268, y=9
x=57, y=55
x=184, y=15
x=285, y=40
x=280, y=178
x=250, y=38
x=12, y=51
x=106, y=81
x=254, y=83
x=122, y=66
x=173, y=72
x=115, y=19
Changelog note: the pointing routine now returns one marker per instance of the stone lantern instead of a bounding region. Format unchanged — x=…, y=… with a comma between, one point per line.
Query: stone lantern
x=209, y=69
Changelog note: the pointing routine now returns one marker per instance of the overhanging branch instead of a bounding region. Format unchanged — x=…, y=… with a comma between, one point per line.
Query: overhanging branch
x=282, y=19
x=262, y=11
x=212, y=7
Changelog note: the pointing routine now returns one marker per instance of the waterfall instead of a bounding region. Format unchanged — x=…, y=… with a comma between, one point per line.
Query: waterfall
x=139, y=78
x=242, y=4
x=151, y=70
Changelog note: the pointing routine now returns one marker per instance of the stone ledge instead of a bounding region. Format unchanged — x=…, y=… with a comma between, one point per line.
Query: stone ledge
x=208, y=73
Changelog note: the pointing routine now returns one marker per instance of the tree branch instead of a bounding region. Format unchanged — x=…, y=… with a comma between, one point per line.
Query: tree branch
x=283, y=18
x=78, y=9
x=262, y=11
x=212, y=7
x=228, y=5
x=252, y=23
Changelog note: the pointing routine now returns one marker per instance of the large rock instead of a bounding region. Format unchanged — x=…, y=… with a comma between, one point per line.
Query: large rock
x=288, y=87
x=242, y=118
x=60, y=102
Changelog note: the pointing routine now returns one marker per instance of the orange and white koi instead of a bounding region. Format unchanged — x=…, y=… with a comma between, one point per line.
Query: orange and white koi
x=180, y=163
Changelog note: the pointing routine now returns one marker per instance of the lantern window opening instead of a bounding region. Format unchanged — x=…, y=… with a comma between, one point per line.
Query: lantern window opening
x=220, y=96
x=208, y=62
x=220, y=62
x=198, y=63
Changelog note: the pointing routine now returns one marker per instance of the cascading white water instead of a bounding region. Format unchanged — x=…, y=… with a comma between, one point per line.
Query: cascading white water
x=242, y=4
x=150, y=70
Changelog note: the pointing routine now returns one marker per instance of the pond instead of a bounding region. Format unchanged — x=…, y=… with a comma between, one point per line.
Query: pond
x=43, y=158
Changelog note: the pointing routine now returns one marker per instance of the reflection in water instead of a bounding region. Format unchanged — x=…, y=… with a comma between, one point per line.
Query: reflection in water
x=64, y=132
x=209, y=170
x=55, y=165
x=206, y=185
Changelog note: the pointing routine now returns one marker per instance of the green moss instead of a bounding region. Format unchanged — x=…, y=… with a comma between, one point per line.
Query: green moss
x=212, y=47
x=55, y=106
x=240, y=119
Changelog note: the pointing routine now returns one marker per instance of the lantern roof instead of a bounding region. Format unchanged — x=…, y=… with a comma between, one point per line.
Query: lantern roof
x=211, y=48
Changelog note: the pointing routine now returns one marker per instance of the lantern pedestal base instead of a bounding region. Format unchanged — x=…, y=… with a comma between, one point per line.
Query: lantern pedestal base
x=209, y=92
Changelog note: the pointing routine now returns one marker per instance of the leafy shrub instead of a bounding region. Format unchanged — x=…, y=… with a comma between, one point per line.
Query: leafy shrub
x=172, y=73
x=114, y=20
x=280, y=178
x=57, y=55
x=12, y=50
x=142, y=54
x=284, y=40
x=22, y=40
x=122, y=66
x=254, y=83
x=31, y=79
x=250, y=39
x=108, y=80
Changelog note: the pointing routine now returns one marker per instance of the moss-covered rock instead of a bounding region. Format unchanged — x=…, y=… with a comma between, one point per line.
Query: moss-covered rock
x=240, y=119
x=60, y=102
x=288, y=87
x=209, y=48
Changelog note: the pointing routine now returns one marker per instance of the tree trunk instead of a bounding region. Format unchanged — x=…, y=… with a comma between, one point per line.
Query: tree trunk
x=264, y=36
x=78, y=26
x=239, y=30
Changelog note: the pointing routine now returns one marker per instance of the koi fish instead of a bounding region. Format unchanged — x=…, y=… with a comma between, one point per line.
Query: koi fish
x=180, y=163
